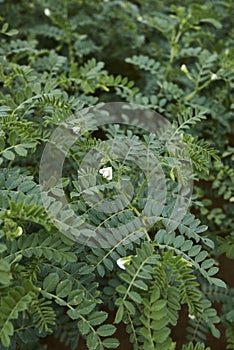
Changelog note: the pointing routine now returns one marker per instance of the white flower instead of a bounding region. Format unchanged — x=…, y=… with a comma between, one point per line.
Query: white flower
x=214, y=76
x=106, y=172
x=76, y=129
x=191, y=316
x=19, y=231
x=121, y=262
x=184, y=68
x=139, y=18
x=47, y=12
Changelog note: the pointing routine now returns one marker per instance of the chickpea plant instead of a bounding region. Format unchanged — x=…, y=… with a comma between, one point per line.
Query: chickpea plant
x=64, y=58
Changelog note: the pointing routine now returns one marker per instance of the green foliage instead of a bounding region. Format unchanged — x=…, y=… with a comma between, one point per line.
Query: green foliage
x=157, y=316
x=198, y=346
x=17, y=300
x=200, y=325
x=56, y=59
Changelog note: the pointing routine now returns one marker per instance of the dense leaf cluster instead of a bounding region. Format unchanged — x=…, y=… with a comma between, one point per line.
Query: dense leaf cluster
x=57, y=58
